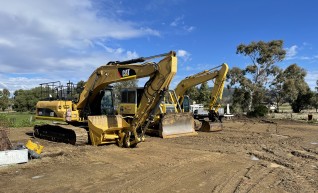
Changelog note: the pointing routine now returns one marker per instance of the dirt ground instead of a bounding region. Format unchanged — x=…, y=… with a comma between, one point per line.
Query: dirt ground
x=247, y=156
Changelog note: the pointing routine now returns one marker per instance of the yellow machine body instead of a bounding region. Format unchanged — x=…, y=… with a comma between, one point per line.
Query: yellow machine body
x=34, y=147
x=56, y=110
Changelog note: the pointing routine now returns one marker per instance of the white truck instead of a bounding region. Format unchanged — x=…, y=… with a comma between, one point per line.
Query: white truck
x=199, y=112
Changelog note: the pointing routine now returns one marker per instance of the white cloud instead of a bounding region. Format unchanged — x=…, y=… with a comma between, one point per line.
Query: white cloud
x=311, y=78
x=179, y=22
x=151, y=31
x=305, y=58
x=189, y=28
x=59, y=40
x=188, y=68
x=5, y=42
x=184, y=55
x=16, y=83
x=291, y=52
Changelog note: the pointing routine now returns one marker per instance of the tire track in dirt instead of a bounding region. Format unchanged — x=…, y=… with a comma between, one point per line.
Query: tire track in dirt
x=254, y=176
x=229, y=184
x=280, y=152
x=296, y=165
x=173, y=176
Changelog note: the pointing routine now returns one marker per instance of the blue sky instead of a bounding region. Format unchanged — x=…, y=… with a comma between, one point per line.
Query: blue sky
x=42, y=41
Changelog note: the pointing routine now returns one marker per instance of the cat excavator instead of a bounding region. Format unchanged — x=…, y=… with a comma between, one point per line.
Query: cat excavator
x=94, y=111
x=217, y=73
x=176, y=106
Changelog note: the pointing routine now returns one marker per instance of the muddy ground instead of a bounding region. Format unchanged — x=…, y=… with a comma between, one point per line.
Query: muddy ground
x=247, y=156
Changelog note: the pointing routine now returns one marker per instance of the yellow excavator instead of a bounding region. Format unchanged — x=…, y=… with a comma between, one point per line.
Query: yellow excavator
x=219, y=76
x=173, y=117
x=94, y=110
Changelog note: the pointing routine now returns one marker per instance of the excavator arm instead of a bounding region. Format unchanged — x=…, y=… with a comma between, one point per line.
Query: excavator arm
x=201, y=77
x=155, y=88
x=217, y=91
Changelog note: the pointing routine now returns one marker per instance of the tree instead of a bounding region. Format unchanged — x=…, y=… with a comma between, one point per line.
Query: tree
x=193, y=93
x=276, y=91
x=315, y=101
x=80, y=86
x=4, y=99
x=256, y=75
x=25, y=100
x=204, y=94
x=294, y=84
x=240, y=100
x=303, y=101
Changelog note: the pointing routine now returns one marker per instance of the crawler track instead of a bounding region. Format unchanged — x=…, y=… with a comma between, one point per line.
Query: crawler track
x=62, y=133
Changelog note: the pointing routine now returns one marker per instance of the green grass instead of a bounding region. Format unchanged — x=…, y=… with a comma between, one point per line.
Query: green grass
x=24, y=119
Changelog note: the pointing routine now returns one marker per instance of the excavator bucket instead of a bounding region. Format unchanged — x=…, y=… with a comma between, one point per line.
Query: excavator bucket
x=209, y=126
x=105, y=129
x=197, y=124
x=176, y=125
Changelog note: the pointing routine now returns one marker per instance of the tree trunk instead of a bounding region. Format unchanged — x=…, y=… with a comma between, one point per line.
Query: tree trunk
x=251, y=101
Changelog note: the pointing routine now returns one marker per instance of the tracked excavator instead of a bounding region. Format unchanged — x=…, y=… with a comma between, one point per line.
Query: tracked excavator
x=213, y=123
x=93, y=113
x=173, y=117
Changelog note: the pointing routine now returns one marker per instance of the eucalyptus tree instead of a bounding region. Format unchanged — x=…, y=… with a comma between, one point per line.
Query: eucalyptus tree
x=255, y=76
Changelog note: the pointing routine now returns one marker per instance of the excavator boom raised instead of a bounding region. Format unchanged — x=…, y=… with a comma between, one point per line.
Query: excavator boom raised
x=219, y=75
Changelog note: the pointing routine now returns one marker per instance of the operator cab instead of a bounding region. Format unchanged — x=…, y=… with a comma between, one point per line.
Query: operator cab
x=107, y=102
x=104, y=104
x=186, y=103
x=130, y=100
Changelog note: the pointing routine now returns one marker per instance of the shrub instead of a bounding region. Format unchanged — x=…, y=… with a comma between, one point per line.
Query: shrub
x=4, y=120
x=259, y=111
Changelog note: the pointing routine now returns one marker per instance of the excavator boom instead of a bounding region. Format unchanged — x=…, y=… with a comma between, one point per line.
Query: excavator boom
x=201, y=77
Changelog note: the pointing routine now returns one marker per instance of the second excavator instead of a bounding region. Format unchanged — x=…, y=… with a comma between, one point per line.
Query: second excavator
x=218, y=74
x=176, y=106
